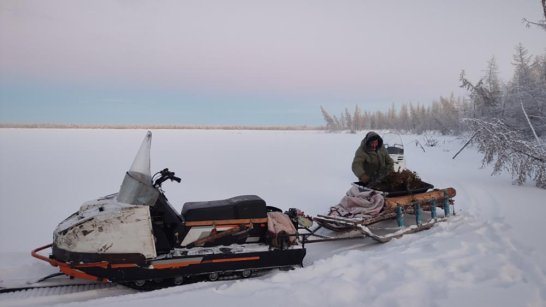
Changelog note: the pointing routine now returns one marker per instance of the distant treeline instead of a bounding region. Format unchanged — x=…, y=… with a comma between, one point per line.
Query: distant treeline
x=519, y=103
x=443, y=115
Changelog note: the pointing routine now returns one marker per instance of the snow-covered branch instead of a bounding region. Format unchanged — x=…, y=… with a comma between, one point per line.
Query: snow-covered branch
x=507, y=149
x=541, y=23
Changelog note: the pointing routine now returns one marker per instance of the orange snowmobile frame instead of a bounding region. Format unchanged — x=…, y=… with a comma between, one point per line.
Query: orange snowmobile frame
x=71, y=270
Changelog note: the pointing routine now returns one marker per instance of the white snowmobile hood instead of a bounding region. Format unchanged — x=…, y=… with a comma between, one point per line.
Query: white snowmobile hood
x=105, y=225
x=117, y=223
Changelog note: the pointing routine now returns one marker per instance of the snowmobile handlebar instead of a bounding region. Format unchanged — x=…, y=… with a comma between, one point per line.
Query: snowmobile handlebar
x=165, y=175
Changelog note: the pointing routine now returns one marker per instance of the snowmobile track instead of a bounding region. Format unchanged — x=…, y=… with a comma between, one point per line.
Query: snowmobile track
x=64, y=288
x=57, y=294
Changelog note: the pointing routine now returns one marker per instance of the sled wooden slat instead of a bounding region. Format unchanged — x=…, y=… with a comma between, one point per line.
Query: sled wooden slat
x=426, y=198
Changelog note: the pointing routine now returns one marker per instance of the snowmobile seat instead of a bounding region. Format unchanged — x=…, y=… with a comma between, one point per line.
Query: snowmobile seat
x=235, y=208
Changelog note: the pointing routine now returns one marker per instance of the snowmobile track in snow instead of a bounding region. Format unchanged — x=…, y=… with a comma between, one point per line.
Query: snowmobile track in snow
x=57, y=294
x=54, y=289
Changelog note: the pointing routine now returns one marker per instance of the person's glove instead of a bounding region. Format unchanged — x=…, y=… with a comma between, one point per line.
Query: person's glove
x=380, y=177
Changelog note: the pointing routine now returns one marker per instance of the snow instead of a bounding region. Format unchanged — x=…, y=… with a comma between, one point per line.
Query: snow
x=492, y=253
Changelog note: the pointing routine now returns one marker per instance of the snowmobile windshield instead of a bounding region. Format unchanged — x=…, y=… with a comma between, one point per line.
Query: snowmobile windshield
x=393, y=144
x=391, y=150
x=137, y=189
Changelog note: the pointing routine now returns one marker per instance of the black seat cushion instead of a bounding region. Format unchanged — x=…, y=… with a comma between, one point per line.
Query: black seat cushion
x=239, y=207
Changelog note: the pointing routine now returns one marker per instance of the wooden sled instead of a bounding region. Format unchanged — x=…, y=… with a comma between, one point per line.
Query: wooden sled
x=395, y=208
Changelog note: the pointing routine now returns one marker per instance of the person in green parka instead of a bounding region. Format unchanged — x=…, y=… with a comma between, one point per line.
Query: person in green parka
x=371, y=161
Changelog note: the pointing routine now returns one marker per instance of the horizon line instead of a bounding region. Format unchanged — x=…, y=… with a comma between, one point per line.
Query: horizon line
x=152, y=126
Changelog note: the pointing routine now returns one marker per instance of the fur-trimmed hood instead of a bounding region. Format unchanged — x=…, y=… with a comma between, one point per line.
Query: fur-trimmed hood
x=370, y=136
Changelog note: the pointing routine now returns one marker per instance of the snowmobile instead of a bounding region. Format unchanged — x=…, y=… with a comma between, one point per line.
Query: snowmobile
x=395, y=148
x=136, y=238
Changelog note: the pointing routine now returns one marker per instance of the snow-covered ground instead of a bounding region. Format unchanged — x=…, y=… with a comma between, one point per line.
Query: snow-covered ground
x=492, y=253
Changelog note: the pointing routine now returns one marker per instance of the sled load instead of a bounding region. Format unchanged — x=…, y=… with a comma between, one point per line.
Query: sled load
x=136, y=238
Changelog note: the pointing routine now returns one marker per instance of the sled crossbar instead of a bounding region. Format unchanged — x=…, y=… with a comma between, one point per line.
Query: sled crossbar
x=427, y=199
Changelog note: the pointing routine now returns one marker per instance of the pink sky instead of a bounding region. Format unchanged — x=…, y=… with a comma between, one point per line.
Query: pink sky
x=354, y=52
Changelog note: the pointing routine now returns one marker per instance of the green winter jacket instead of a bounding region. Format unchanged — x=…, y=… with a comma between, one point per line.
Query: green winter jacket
x=375, y=164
